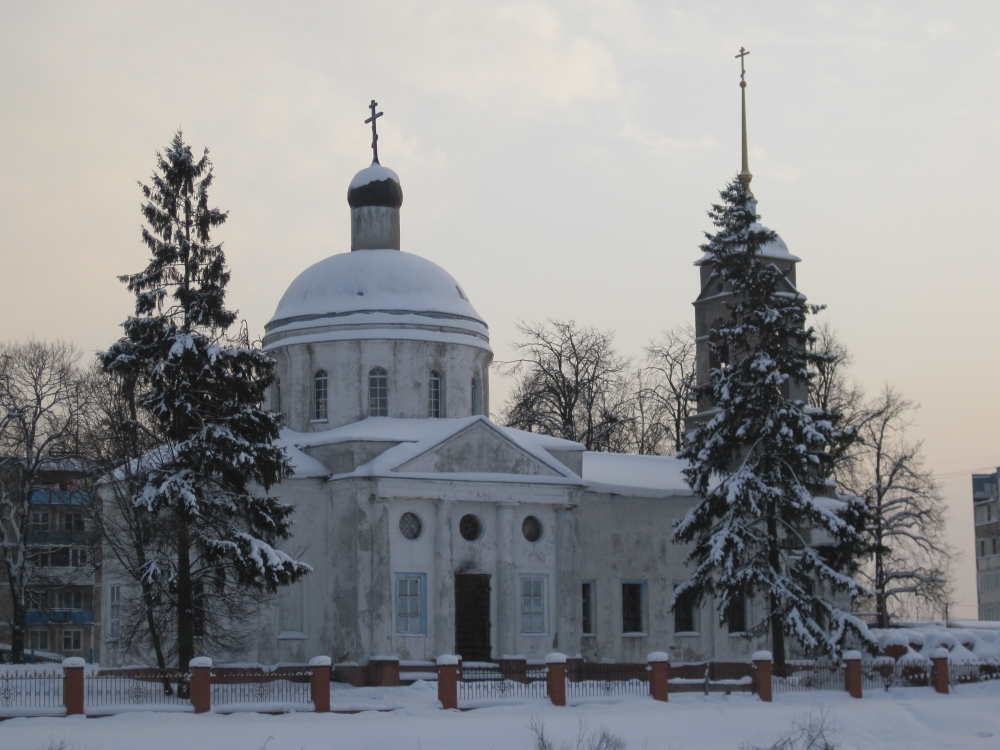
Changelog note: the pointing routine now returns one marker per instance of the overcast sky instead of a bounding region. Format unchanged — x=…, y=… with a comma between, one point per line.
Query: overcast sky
x=556, y=158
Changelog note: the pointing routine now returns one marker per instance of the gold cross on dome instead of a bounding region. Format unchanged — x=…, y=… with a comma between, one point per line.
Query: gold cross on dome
x=743, y=53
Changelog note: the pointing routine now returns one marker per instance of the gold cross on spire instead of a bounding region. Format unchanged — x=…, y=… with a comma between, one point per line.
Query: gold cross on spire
x=372, y=120
x=745, y=175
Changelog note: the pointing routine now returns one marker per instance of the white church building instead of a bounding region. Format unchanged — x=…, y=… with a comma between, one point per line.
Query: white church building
x=432, y=530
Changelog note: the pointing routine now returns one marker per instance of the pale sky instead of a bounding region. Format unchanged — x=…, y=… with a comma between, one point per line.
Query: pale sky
x=556, y=158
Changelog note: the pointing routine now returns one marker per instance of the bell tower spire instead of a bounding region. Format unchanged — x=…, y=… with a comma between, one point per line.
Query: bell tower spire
x=745, y=175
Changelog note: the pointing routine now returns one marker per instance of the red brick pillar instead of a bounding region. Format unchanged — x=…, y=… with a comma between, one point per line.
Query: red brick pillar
x=201, y=684
x=762, y=667
x=319, y=683
x=939, y=670
x=447, y=667
x=852, y=673
x=514, y=668
x=659, y=674
x=73, y=685
x=556, y=663
x=383, y=671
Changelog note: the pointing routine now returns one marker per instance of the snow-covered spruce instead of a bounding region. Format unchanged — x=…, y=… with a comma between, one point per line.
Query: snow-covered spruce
x=760, y=459
x=203, y=388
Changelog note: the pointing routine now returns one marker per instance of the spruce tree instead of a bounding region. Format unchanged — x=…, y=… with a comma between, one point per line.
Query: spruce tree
x=208, y=483
x=760, y=459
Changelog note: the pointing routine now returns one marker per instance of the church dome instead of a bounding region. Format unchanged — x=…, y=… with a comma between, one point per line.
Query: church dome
x=375, y=186
x=377, y=288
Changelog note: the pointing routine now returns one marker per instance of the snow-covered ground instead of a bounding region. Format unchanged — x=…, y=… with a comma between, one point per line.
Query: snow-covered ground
x=900, y=719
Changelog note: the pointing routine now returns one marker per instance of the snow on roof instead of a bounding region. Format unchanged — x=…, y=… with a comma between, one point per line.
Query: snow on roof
x=969, y=641
x=417, y=436
x=375, y=282
x=374, y=173
x=635, y=475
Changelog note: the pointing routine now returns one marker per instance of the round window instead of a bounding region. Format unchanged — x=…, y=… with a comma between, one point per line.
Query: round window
x=532, y=529
x=470, y=527
x=410, y=525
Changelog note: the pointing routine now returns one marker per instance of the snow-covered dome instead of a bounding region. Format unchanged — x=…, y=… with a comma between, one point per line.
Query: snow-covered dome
x=375, y=186
x=377, y=288
x=776, y=248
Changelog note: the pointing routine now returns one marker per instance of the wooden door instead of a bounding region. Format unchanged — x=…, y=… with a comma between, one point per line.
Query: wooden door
x=472, y=617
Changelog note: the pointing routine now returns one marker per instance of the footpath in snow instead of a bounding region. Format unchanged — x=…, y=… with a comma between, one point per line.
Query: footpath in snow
x=901, y=719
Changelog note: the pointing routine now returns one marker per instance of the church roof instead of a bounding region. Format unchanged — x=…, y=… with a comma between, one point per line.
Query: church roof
x=384, y=288
x=626, y=474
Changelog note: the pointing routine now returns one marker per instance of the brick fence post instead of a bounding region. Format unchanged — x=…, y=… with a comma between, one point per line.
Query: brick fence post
x=762, y=667
x=556, y=678
x=852, y=673
x=73, y=685
x=201, y=684
x=939, y=670
x=659, y=674
x=319, y=683
x=383, y=671
x=447, y=667
x=514, y=668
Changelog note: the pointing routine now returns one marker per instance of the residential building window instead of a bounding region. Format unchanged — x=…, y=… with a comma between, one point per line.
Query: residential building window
x=990, y=613
x=588, y=607
x=38, y=599
x=378, y=393
x=738, y=614
x=995, y=545
x=633, y=606
x=434, y=407
x=532, y=604
x=989, y=581
x=411, y=609
x=321, y=399
x=38, y=640
x=39, y=521
x=71, y=599
x=72, y=640
x=114, y=611
x=685, y=615
x=72, y=521
x=77, y=558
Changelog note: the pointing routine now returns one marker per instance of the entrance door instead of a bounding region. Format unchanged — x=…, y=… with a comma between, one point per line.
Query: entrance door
x=472, y=617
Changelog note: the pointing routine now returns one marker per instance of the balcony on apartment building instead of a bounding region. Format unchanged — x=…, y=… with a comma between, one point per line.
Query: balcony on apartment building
x=60, y=617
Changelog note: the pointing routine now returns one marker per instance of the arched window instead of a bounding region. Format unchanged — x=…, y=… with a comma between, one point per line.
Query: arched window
x=276, y=397
x=378, y=393
x=434, y=403
x=320, y=396
x=477, y=397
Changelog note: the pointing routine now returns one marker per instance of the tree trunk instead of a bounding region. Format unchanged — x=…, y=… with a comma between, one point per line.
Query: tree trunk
x=185, y=603
x=777, y=627
x=17, y=622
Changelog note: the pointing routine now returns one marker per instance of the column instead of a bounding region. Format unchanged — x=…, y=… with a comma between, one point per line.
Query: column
x=506, y=579
x=73, y=698
x=201, y=684
x=444, y=579
x=568, y=580
x=762, y=666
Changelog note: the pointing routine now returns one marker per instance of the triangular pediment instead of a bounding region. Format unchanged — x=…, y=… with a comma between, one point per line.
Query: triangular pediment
x=479, y=448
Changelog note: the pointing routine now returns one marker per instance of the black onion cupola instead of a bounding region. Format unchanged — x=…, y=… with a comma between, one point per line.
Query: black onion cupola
x=375, y=196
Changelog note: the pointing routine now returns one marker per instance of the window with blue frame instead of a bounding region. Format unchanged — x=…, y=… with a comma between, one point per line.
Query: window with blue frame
x=411, y=604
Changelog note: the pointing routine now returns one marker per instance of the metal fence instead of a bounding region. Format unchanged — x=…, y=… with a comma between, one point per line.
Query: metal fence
x=586, y=680
x=490, y=683
x=40, y=688
x=820, y=675
x=124, y=687
x=285, y=685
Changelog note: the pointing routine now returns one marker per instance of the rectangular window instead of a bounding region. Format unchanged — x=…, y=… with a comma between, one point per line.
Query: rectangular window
x=995, y=545
x=38, y=640
x=738, y=615
x=39, y=521
x=633, y=606
x=77, y=558
x=378, y=393
x=434, y=408
x=72, y=521
x=685, y=616
x=71, y=599
x=981, y=548
x=114, y=611
x=38, y=599
x=72, y=640
x=411, y=609
x=588, y=607
x=320, y=396
x=532, y=604
x=989, y=581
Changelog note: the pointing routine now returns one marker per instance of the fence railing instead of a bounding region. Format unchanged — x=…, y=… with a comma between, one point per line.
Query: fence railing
x=590, y=680
x=492, y=683
x=819, y=675
x=130, y=687
x=31, y=689
x=286, y=685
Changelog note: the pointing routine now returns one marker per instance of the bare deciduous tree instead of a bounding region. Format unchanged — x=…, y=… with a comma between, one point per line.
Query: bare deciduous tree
x=571, y=383
x=830, y=388
x=42, y=400
x=909, y=559
x=671, y=359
